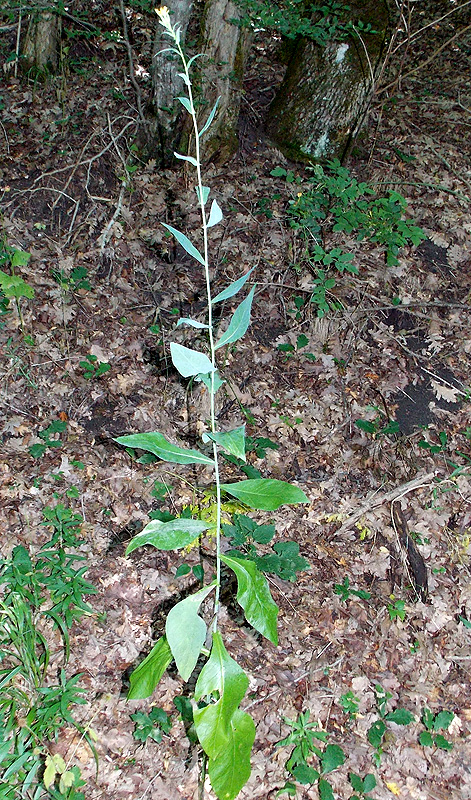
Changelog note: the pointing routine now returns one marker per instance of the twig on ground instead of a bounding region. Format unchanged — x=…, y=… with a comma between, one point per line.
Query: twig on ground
x=376, y=500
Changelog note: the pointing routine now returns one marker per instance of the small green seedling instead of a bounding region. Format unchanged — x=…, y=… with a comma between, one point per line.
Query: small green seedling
x=38, y=450
x=379, y=426
x=435, y=448
x=152, y=725
x=11, y=284
x=38, y=591
x=349, y=703
x=283, y=560
x=304, y=737
x=345, y=591
x=362, y=786
x=78, y=279
x=289, y=350
x=92, y=368
x=334, y=202
x=397, y=609
x=377, y=731
x=433, y=723
x=58, y=777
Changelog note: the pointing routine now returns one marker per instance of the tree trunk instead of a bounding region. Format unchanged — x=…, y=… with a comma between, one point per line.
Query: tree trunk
x=323, y=98
x=167, y=85
x=41, y=45
x=218, y=74
x=225, y=46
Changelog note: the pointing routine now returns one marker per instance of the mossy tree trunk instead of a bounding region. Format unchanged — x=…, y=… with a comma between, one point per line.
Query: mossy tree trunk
x=41, y=45
x=218, y=73
x=321, y=104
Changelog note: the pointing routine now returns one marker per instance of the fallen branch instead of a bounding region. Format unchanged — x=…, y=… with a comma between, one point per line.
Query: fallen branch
x=376, y=500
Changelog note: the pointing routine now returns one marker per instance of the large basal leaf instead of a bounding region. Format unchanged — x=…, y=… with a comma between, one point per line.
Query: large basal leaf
x=168, y=535
x=157, y=444
x=239, y=323
x=189, y=362
x=221, y=675
x=254, y=596
x=186, y=631
x=185, y=243
x=19, y=258
x=230, y=770
x=232, y=441
x=146, y=676
x=265, y=494
x=325, y=790
x=233, y=288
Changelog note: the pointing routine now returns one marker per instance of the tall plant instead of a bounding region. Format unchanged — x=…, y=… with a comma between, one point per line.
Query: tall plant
x=225, y=732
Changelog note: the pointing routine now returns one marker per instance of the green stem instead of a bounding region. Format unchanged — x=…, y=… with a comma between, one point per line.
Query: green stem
x=210, y=332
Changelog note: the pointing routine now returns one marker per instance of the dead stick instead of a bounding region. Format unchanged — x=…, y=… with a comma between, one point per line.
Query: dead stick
x=387, y=497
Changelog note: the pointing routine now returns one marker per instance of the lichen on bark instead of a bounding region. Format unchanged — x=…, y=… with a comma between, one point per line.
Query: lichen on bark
x=321, y=103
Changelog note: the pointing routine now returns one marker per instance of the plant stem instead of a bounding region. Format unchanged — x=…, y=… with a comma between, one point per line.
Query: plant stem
x=201, y=200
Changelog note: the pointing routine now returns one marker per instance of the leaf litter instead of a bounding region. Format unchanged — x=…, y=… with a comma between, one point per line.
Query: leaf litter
x=364, y=362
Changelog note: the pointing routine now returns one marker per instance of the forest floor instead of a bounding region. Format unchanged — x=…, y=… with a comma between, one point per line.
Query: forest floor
x=370, y=493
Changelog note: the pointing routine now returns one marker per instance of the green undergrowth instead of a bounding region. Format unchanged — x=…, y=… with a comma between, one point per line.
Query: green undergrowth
x=325, y=22
x=314, y=756
x=331, y=202
x=41, y=595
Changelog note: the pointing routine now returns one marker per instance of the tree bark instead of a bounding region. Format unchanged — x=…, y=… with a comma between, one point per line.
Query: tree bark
x=218, y=73
x=225, y=46
x=167, y=85
x=321, y=104
x=41, y=45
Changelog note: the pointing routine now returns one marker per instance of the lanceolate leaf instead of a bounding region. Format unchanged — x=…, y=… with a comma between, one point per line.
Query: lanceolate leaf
x=185, y=243
x=210, y=118
x=232, y=441
x=254, y=596
x=186, y=104
x=233, y=288
x=192, y=160
x=205, y=194
x=184, y=78
x=221, y=675
x=146, y=676
x=230, y=770
x=157, y=444
x=186, y=631
x=215, y=214
x=189, y=362
x=168, y=535
x=239, y=323
x=265, y=494
x=193, y=322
